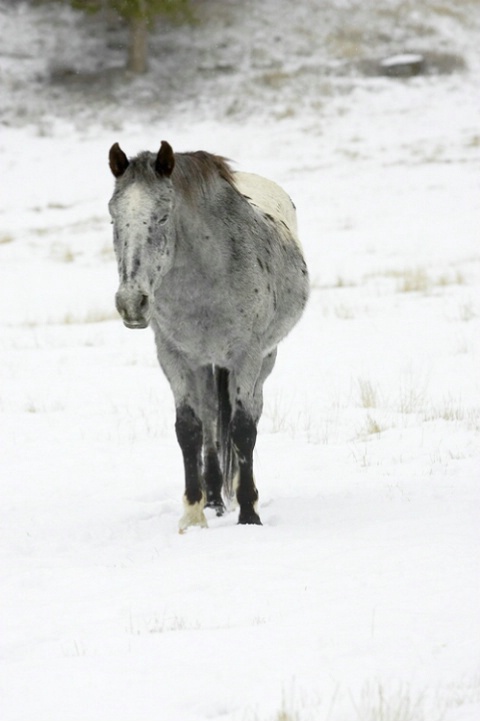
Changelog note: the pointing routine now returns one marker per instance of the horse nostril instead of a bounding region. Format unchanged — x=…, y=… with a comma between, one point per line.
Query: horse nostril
x=144, y=302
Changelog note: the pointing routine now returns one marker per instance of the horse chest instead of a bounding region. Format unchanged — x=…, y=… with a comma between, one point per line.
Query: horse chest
x=202, y=324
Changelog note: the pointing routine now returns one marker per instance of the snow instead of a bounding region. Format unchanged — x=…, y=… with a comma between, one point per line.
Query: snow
x=358, y=597
x=402, y=59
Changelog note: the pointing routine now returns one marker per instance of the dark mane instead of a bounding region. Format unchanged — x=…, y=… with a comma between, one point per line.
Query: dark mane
x=194, y=174
x=194, y=171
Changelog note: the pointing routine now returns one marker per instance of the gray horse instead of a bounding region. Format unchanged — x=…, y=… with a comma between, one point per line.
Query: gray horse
x=210, y=259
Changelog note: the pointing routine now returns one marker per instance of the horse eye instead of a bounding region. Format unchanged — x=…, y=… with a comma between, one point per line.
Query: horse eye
x=163, y=220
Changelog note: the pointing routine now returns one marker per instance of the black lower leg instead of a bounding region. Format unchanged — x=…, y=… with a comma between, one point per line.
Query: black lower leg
x=213, y=478
x=244, y=435
x=189, y=435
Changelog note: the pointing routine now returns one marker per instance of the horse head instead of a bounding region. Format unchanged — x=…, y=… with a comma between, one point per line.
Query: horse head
x=141, y=211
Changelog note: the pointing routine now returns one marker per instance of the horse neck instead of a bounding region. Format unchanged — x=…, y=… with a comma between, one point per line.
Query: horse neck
x=200, y=227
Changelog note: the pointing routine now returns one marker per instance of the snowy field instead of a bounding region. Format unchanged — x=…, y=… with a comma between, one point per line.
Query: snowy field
x=358, y=599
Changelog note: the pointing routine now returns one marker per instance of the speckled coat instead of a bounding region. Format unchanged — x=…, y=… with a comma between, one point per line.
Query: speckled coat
x=211, y=260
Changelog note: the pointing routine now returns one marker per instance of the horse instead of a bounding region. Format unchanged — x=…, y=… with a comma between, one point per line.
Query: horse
x=210, y=259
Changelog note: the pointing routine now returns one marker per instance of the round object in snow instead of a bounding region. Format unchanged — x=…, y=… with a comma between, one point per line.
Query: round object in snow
x=404, y=65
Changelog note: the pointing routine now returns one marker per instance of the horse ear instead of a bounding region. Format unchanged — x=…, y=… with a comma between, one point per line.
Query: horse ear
x=118, y=161
x=165, y=161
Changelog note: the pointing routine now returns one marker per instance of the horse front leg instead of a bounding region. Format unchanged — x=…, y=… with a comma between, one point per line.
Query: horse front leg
x=188, y=428
x=248, y=393
x=244, y=436
x=243, y=431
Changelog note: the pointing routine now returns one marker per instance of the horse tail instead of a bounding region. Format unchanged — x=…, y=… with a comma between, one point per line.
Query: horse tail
x=224, y=436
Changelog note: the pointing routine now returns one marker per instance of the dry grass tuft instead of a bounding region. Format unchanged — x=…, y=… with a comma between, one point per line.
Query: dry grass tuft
x=372, y=426
x=368, y=393
x=414, y=280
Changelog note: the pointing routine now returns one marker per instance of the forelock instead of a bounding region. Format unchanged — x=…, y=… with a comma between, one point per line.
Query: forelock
x=141, y=169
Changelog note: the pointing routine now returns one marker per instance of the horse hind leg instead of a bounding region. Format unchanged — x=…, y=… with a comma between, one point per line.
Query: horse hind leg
x=213, y=479
x=212, y=472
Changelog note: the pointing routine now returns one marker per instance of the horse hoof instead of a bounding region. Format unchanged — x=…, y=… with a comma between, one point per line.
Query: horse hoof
x=249, y=517
x=217, y=506
x=193, y=516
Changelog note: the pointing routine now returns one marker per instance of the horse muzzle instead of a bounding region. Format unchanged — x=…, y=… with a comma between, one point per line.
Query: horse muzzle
x=134, y=308
x=136, y=324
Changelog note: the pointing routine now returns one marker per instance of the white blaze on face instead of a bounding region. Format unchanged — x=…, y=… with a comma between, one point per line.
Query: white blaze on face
x=134, y=214
x=270, y=198
x=137, y=206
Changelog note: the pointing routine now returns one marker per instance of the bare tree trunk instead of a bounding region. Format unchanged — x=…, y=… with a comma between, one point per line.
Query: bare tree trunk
x=138, y=46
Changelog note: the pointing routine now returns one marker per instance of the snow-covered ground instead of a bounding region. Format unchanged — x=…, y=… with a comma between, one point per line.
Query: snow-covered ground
x=358, y=599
